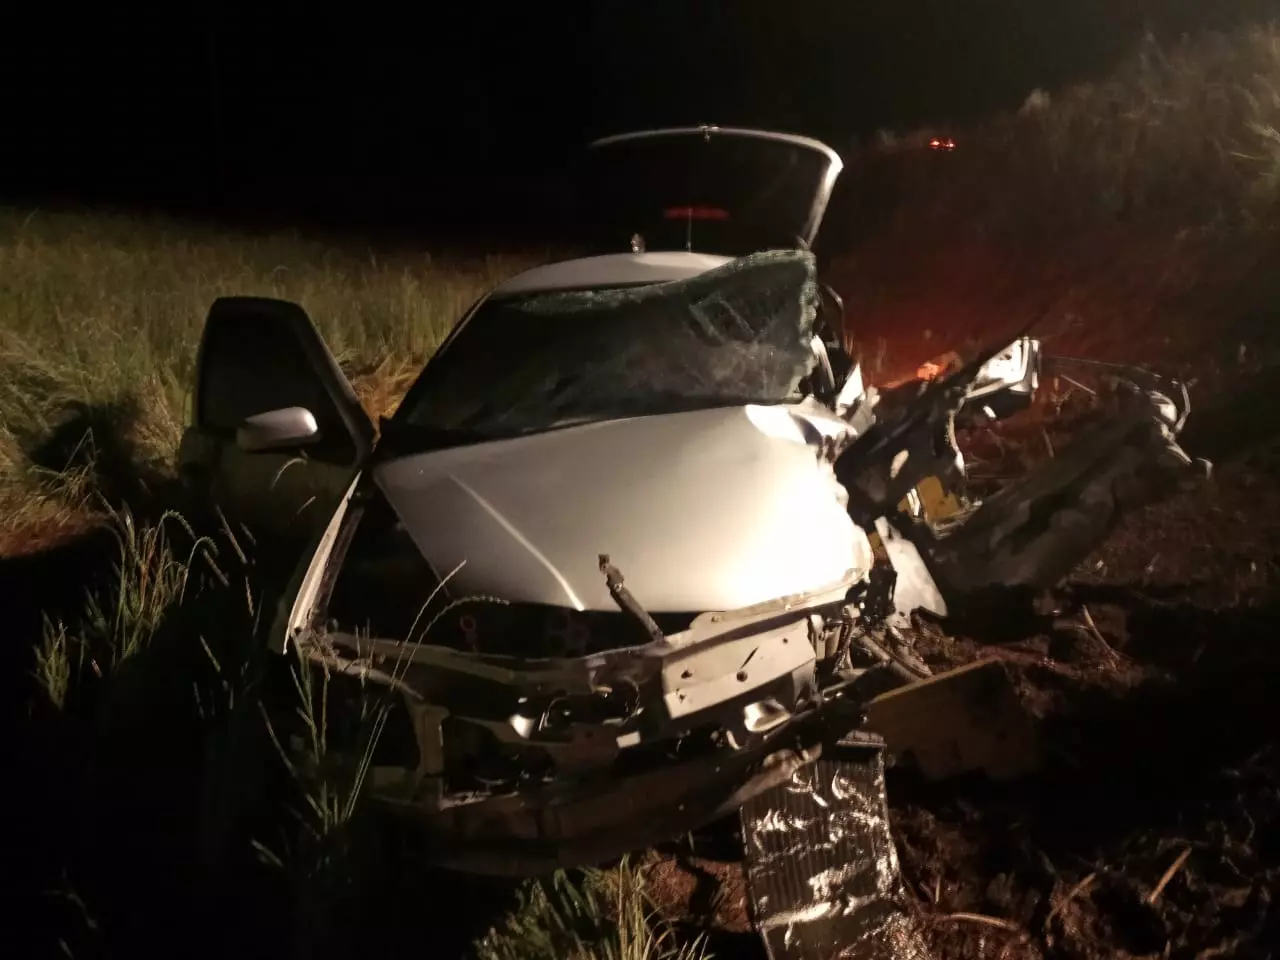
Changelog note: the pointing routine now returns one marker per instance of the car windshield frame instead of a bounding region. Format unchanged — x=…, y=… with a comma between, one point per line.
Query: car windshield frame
x=533, y=362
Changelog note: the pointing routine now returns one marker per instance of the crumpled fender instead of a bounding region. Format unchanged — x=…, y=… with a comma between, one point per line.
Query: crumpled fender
x=1034, y=531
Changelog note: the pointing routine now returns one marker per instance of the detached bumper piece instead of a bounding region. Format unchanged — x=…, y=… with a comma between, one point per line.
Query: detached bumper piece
x=822, y=872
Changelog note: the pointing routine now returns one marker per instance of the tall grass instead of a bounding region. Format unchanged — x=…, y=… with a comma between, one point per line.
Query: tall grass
x=1183, y=136
x=1130, y=218
x=604, y=915
x=148, y=583
x=106, y=312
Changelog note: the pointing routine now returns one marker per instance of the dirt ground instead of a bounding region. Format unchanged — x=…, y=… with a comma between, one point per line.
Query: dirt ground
x=1153, y=830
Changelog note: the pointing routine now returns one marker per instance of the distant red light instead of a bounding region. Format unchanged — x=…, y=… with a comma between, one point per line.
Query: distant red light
x=695, y=213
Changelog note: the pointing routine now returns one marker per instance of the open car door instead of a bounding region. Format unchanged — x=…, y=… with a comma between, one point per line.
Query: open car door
x=277, y=435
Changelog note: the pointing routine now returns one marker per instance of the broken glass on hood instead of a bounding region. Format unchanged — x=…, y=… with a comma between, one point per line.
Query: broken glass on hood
x=741, y=333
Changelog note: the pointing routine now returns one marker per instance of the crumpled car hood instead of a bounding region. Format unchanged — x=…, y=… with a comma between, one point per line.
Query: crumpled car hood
x=711, y=509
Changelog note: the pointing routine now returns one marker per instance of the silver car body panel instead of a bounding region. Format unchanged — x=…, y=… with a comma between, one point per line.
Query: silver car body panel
x=714, y=509
x=610, y=270
x=744, y=497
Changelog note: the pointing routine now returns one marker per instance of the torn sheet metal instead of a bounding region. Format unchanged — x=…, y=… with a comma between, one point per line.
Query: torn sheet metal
x=967, y=719
x=914, y=587
x=1036, y=529
x=822, y=872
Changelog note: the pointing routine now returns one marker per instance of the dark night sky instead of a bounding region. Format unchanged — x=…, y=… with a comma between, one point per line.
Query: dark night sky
x=404, y=112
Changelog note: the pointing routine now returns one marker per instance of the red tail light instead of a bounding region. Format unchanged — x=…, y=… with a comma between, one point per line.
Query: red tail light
x=695, y=213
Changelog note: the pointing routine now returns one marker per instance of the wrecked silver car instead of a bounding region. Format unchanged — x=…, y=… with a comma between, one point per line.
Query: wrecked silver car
x=639, y=544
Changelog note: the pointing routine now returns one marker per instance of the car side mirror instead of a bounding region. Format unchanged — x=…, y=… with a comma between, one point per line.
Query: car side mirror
x=277, y=430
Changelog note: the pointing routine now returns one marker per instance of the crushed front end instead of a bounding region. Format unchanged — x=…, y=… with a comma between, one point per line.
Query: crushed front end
x=538, y=712
x=616, y=736
x=621, y=736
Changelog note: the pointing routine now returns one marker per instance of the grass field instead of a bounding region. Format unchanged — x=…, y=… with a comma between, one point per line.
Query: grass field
x=1136, y=216
x=1133, y=216
x=104, y=313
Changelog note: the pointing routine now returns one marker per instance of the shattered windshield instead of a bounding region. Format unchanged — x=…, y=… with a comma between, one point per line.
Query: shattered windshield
x=738, y=334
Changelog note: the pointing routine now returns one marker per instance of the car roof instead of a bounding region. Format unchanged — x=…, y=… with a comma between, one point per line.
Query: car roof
x=610, y=270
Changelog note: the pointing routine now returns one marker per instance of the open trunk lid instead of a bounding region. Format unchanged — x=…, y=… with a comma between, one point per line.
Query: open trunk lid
x=709, y=189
